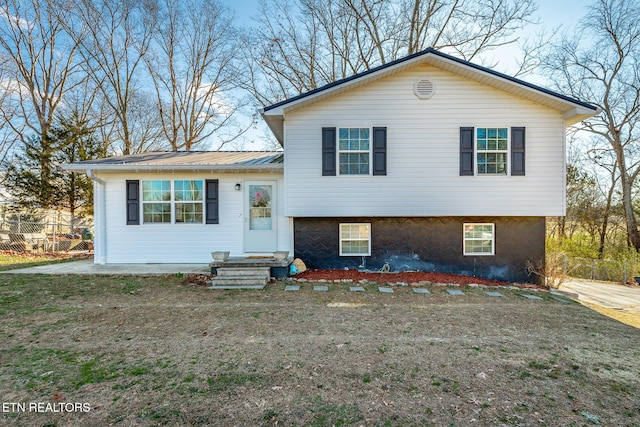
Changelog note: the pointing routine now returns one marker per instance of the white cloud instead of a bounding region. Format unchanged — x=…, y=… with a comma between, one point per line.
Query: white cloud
x=14, y=20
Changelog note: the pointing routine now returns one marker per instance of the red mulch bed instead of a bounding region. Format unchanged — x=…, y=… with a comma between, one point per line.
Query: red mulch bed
x=407, y=277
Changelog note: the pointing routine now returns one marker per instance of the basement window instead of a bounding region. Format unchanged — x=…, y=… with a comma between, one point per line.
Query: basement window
x=479, y=239
x=355, y=239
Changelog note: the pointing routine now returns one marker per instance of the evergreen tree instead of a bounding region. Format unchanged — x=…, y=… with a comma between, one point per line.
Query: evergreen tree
x=77, y=142
x=30, y=177
x=35, y=177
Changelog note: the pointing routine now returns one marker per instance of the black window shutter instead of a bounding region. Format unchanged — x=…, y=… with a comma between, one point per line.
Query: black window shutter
x=380, y=151
x=211, y=202
x=133, y=202
x=466, y=151
x=517, y=151
x=328, y=151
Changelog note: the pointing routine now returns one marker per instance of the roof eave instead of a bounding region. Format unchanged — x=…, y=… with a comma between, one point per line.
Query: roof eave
x=84, y=167
x=579, y=114
x=275, y=120
x=274, y=114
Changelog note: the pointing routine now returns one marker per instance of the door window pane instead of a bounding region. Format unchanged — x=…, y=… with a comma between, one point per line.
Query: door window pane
x=260, y=207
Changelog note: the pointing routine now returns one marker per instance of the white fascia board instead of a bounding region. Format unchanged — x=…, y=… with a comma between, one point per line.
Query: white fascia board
x=437, y=61
x=571, y=108
x=281, y=110
x=175, y=168
x=578, y=114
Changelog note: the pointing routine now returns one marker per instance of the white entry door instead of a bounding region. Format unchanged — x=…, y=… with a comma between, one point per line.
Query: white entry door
x=260, y=234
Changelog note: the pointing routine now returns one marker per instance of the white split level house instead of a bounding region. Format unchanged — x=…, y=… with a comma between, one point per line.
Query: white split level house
x=426, y=163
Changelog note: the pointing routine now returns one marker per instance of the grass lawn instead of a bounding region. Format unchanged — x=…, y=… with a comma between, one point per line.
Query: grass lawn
x=13, y=260
x=147, y=351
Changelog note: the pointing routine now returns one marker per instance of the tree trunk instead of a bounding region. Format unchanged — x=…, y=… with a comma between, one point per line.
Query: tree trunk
x=630, y=217
x=605, y=215
x=603, y=232
x=562, y=222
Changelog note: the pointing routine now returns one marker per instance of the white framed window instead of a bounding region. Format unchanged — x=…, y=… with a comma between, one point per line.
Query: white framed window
x=492, y=151
x=354, y=151
x=479, y=239
x=156, y=201
x=189, y=201
x=355, y=239
x=167, y=202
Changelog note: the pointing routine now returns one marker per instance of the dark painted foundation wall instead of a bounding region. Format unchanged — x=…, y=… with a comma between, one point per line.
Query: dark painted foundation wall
x=427, y=244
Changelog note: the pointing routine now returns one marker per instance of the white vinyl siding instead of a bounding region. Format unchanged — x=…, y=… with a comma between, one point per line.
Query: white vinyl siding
x=181, y=242
x=423, y=152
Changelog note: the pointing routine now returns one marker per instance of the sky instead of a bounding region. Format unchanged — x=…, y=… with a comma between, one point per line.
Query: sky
x=552, y=13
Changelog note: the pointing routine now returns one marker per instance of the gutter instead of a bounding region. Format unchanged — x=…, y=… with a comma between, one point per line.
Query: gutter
x=132, y=167
x=100, y=206
x=93, y=177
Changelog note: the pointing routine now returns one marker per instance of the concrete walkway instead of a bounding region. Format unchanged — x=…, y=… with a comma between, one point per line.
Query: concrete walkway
x=88, y=267
x=605, y=294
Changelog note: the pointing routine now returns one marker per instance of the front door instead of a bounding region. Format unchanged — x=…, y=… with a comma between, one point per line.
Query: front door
x=260, y=233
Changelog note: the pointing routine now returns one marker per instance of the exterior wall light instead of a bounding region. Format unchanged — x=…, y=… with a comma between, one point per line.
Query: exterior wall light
x=238, y=187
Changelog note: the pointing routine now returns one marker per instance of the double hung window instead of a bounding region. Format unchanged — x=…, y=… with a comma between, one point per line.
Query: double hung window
x=479, y=239
x=354, y=151
x=492, y=151
x=179, y=201
x=355, y=239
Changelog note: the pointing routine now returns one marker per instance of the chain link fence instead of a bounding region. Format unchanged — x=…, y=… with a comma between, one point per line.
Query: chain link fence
x=601, y=269
x=47, y=232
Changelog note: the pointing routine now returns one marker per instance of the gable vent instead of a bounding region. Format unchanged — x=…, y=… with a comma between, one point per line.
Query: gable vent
x=424, y=88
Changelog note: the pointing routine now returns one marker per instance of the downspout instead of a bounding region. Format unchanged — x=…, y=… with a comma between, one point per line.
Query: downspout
x=100, y=207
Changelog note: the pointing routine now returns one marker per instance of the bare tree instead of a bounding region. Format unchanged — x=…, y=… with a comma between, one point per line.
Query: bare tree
x=114, y=36
x=601, y=64
x=302, y=45
x=193, y=72
x=464, y=27
x=39, y=65
x=7, y=111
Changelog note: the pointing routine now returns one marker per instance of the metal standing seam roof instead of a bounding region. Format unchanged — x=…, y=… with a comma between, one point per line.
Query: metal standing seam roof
x=187, y=160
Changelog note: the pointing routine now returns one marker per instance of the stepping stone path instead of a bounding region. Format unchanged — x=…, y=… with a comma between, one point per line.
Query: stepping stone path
x=424, y=291
x=494, y=294
x=530, y=296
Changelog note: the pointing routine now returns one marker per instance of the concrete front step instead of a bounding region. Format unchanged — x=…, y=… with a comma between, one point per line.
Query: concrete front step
x=251, y=272
x=238, y=282
x=245, y=277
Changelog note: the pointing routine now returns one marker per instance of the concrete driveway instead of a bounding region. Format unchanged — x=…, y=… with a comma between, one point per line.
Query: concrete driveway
x=609, y=295
x=88, y=267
